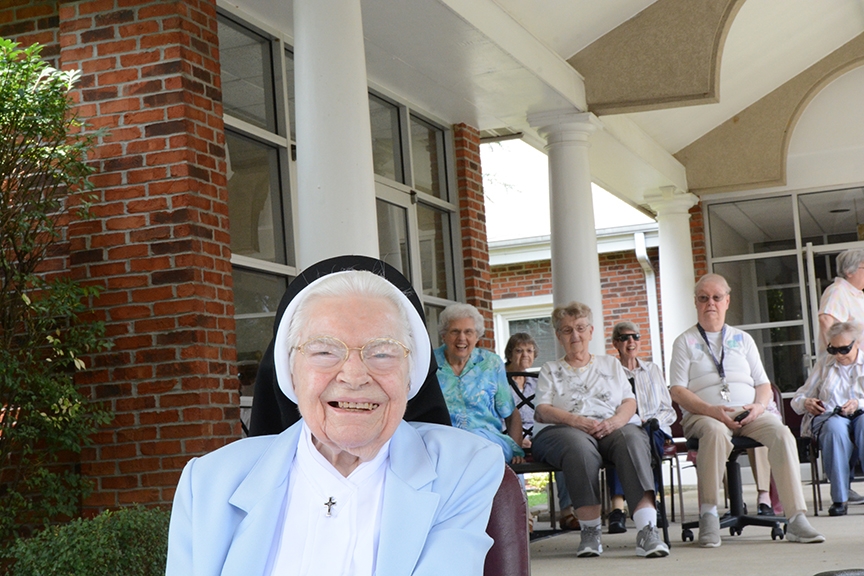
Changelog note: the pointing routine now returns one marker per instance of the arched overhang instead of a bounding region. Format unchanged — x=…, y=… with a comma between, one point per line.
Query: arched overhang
x=749, y=150
x=667, y=55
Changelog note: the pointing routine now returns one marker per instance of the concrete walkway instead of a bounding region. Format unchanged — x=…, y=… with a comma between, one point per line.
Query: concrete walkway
x=753, y=552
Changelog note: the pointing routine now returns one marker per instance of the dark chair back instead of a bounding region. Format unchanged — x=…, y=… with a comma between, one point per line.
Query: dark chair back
x=508, y=527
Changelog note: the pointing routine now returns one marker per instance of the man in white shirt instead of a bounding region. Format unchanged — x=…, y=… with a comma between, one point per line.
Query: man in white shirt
x=715, y=375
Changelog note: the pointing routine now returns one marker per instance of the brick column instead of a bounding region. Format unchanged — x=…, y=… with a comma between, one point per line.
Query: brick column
x=697, y=237
x=159, y=244
x=472, y=218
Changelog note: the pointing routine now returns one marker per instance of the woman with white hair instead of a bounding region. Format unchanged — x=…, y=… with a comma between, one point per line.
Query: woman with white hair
x=843, y=301
x=474, y=382
x=329, y=495
x=831, y=401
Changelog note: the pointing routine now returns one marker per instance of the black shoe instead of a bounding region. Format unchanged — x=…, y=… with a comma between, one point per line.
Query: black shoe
x=837, y=509
x=617, y=522
x=765, y=510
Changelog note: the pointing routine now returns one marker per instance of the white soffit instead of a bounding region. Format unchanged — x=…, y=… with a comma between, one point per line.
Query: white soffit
x=627, y=162
x=466, y=61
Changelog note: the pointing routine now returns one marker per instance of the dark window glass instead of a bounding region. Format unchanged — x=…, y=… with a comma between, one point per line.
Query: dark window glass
x=255, y=211
x=427, y=152
x=247, y=75
x=386, y=139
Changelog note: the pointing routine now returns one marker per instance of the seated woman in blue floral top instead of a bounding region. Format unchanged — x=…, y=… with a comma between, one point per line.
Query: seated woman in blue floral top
x=474, y=382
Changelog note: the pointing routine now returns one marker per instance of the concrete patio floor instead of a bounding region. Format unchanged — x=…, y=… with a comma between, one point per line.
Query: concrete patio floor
x=753, y=552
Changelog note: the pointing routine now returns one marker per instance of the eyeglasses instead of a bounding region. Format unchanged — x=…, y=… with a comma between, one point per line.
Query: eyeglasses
x=468, y=332
x=843, y=350
x=626, y=337
x=568, y=330
x=704, y=298
x=380, y=355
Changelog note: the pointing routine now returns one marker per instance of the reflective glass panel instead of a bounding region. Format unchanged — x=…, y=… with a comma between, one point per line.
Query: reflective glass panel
x=541, y=330
x=256, y=298
x=751, y=226
x=247, y=75
x=289, y=82
x=763, y=290
x=436, y=254
x=782, y=352
x=386, y=139
x=832, y=217
x=432, y=313
x=427, y=152
x=255, y=211
x=393, y=236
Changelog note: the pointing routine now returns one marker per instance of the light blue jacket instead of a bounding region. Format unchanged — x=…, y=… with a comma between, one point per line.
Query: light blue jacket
x=438, y=493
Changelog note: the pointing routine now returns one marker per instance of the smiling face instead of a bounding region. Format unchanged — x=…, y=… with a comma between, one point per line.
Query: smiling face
x=350, y=410
x=460, y=339
x=574, y=334
x=629, y=348
x=712, y=302
x=521, y=357
x=857, y=278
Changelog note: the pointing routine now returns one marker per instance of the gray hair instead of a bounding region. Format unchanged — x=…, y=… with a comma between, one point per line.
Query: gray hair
x=712, y=279
x=852, y=329
x=360, y=283
x=517, y=339
x=848, y=262
x=459, y=311
x=621, y=326
x=574, y=310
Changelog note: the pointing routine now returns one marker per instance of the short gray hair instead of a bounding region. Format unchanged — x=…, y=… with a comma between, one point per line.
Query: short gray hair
x=459, y=311
x=573, y=310
x=711, y=278
x=853, y=329
x=621, y=326
x=848, y=262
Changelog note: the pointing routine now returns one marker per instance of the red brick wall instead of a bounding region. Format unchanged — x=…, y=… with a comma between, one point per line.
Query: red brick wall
x=31, y=21
x=472, y=217
x=622, y=284
x=697, y=238
x=159, y=244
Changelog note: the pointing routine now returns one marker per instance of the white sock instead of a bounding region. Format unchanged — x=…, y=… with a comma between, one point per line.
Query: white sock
x=590, y=523
x=792, y=519
x=764, y=498
x=644, y=516
x=708, y=509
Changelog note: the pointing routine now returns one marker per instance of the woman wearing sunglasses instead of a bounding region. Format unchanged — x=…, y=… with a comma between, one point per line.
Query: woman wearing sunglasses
x=831, y=401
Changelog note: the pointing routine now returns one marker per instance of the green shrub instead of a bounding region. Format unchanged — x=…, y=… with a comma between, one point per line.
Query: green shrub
x=131, y=542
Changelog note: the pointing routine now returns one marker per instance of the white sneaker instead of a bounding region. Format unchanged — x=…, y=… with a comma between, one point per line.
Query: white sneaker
x=649, y=544
x=590, y=545
x=800, y=530
x=709, y=531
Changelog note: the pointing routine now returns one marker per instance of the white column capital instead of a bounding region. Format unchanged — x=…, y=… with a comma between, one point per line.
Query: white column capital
x=670, y=200
x=565, y=125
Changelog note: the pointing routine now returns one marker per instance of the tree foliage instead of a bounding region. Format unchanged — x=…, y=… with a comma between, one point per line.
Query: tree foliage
x=43, y=338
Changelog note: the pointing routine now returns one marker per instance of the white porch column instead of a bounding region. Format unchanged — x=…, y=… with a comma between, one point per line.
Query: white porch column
x=575, y=265
x=677, y=275
x=335, y=180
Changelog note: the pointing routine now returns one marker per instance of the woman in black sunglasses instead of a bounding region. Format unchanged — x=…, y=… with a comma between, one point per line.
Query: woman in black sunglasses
x=831, y=401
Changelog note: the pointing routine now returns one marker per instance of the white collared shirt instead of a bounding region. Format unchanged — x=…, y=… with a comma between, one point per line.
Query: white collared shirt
x=345, y=542
x=832, y=383
x=652, y=395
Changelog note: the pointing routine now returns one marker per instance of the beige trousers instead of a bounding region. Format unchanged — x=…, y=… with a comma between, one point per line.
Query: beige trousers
x=761, y=468
x=715, y=445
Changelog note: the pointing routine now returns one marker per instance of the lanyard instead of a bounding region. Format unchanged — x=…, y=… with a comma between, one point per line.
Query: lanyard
x=724, y=386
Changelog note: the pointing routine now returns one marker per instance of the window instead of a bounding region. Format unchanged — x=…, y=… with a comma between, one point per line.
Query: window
x=778, y=254
x=415, y=216
x=258, y=99
x=416, y=219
